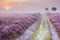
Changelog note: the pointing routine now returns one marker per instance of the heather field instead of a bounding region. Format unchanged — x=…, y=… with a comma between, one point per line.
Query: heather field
x=55, y=20
x=14, y=25
x=34, y=26
x=29, y=19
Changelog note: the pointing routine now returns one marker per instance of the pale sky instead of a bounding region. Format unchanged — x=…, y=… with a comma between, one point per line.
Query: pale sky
x=14, y=4
x=38, y=3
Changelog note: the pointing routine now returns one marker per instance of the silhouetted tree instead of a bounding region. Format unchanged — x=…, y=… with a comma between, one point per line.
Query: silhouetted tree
x=46, y=9
x=53, y=8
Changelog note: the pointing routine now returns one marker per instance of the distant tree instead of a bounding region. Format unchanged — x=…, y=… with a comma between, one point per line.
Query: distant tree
x=46, y=9
x=53, y=8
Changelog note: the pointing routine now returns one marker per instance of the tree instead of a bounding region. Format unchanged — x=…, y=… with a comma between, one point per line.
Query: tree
x=46, y=9
x=53, y=8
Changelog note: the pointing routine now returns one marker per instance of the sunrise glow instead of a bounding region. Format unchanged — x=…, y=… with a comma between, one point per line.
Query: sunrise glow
x=7, y=7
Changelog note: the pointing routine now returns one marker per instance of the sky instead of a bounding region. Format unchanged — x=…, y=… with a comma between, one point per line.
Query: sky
x=28, y=4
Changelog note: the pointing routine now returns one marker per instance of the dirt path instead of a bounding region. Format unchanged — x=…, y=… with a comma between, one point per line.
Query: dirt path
x=42, y=32
x=27, y=35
